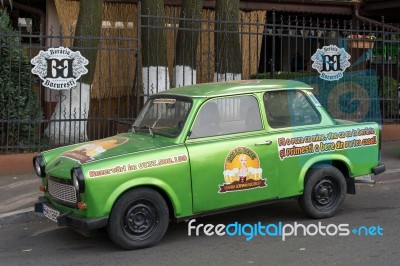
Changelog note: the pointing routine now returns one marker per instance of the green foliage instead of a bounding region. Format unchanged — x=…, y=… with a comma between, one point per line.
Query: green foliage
x=186, y=43
x=389, y=95
x=390, y=88
x=228, y=54
x=18, y=103
x=89, y=27
x=154, y=35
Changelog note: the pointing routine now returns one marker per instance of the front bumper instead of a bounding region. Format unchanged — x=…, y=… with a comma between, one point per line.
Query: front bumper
x=71, y=220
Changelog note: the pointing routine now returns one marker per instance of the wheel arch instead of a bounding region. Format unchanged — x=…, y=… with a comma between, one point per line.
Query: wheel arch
x=342, y=163
x=174, y=206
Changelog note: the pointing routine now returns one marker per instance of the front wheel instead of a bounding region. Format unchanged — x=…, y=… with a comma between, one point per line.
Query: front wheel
x=139, y=219
x=324, y=192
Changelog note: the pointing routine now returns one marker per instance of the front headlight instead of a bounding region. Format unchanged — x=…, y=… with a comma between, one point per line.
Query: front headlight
x=38, y=165
x=77, y=179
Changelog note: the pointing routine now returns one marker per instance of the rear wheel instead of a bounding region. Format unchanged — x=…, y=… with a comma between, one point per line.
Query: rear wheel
x=139, y=219
x=324, y=192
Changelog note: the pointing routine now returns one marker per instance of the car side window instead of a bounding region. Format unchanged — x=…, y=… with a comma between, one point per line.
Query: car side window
x=227, y=116
x=289, y=108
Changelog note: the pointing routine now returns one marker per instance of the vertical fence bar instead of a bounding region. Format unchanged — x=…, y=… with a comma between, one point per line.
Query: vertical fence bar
x=397, y=43
x=382, y=79
x=273, y=45
x=139, y=59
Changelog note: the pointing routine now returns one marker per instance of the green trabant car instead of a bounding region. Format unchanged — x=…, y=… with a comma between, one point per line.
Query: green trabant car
x=204, y=149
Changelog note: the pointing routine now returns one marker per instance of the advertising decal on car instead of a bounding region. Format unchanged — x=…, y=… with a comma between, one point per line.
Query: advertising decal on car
x=89, y=151
x=242, y=171
x=130, y=167
x=331, y=141
x=163, y=100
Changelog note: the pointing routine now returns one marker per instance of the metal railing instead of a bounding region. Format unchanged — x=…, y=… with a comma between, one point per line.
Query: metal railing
x=272, y=45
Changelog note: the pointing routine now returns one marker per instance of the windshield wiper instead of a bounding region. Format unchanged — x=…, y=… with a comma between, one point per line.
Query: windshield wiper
x=149, y=128
x=151, y=131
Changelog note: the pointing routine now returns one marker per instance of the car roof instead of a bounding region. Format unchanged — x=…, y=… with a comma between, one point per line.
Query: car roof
x=235, y=87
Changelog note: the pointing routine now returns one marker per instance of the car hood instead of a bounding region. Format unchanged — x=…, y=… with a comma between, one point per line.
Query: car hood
x=96, y=150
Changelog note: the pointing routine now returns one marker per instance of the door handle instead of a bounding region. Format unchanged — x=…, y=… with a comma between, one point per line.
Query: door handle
x=268, y=142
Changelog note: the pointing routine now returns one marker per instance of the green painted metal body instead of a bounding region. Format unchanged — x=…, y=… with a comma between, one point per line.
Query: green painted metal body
x=190, y=172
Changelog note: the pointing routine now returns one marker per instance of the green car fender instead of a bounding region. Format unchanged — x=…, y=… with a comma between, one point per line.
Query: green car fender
x=322, y=158
x=156, y=183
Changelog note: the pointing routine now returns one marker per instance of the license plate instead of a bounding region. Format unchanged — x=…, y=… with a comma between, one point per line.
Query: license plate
x=50, y=213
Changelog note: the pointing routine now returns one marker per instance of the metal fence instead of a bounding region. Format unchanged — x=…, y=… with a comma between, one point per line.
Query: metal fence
x=282, y=45
x=35, y=118
x=271, y=45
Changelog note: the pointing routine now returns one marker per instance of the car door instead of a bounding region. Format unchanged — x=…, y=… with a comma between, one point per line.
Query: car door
x=292, y=122
x=230, y=155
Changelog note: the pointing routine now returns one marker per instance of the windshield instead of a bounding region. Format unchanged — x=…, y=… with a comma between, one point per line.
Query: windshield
x=164, y=116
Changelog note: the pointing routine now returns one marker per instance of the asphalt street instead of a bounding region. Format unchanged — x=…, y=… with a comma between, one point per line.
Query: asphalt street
x=40, y=241
x=18, y=191
x=373, y=212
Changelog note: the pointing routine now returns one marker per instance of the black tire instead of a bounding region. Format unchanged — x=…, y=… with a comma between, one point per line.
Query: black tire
x=324, y=192
x=139, y=219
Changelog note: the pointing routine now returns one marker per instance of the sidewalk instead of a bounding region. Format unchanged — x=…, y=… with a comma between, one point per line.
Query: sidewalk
x=19, y=185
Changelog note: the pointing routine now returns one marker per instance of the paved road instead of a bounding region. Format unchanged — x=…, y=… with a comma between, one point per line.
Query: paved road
x=40, y=242
x=18, y=191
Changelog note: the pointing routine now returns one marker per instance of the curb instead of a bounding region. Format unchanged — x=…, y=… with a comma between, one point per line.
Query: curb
x=9, y=167
x=23, y=215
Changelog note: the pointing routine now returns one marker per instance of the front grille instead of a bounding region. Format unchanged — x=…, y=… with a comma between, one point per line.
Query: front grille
x=65, y=193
